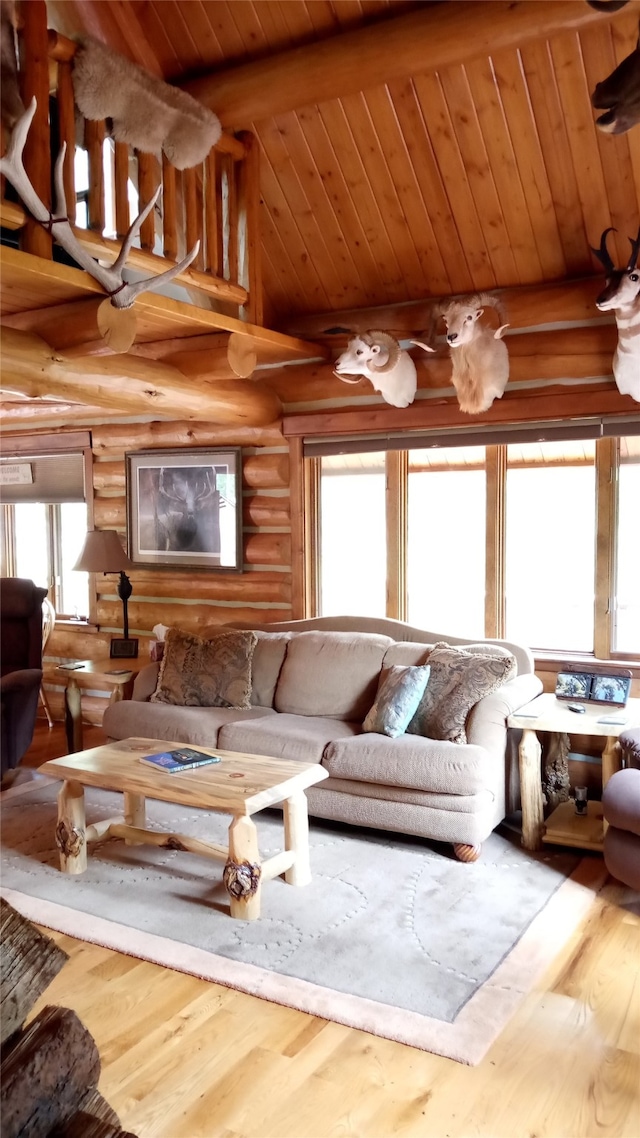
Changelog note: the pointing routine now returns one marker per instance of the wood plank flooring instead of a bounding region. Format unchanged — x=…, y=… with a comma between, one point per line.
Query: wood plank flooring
x=184, y=1058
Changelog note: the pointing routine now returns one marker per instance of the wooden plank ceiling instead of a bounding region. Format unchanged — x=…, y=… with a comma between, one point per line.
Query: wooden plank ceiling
x=486, y=173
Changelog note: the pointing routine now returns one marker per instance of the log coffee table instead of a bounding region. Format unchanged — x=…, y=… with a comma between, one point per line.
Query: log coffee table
x=240, y=785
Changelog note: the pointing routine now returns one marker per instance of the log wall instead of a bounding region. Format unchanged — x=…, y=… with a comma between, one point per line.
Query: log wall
x=196, y=600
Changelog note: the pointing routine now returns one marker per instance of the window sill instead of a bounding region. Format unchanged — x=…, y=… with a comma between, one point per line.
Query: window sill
x=553, y=661
x=78, y=625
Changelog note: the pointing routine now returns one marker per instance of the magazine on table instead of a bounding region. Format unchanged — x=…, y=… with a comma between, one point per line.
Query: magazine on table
x=180, y=759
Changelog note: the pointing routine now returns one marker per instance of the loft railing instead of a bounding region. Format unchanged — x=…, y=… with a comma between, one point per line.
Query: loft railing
x=215, y=202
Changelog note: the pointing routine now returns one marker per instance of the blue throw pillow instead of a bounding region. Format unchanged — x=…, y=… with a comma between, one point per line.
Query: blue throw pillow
x=399, y=693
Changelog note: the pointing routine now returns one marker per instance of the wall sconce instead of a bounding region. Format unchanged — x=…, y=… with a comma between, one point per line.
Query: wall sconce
x=103, y=553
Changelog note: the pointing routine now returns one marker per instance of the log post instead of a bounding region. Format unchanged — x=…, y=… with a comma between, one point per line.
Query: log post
x=34, y=73
x=28, y=963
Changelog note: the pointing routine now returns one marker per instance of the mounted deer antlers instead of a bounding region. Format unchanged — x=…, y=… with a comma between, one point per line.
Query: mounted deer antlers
x=110, y=277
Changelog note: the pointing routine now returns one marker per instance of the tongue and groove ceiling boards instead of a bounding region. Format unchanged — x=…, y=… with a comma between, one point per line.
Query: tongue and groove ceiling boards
x=407, y=150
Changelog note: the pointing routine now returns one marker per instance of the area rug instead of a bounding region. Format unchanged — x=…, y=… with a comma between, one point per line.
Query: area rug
x=393, y=936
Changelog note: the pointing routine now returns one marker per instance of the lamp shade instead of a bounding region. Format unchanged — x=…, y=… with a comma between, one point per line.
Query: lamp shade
x=103, y=553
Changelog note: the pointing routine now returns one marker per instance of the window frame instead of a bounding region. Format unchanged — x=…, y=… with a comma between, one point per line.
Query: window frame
x=61, y=443
x=607, y=463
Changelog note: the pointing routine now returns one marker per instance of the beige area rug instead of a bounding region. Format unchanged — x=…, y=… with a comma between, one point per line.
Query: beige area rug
x=392, y=936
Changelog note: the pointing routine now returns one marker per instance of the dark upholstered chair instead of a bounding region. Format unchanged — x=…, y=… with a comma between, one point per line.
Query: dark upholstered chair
x=20, y=665
x=621, y=809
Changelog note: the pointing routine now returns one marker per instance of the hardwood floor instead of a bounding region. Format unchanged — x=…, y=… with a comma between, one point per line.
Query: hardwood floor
x=184, y=1058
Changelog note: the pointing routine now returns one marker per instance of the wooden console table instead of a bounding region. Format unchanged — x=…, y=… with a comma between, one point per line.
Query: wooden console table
x=546, y=713
x=118, y=674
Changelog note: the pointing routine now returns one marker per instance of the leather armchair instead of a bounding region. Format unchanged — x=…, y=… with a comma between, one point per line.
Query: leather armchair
x=20, y=666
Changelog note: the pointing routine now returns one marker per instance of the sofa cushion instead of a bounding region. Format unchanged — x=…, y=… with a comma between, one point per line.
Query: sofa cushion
x=283, y=736
x=458, y=680
x=431, y=765
x=198, y=726
x=331, y=674
x=266, y=665
x=399, y=692
x=206, y=673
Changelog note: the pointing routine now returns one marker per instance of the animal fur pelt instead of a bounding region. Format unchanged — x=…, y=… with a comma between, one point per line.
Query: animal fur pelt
x=144, y=111
x=12, y=105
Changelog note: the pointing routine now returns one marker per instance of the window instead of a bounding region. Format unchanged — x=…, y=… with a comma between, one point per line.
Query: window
x=446, y=538
x=46, y=541
x=536, y=542
x=44, y=521
x=352, y=535
x=550, y=545
x=626, y=600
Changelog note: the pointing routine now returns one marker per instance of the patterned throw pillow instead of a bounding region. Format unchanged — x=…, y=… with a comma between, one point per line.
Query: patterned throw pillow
x=457, y=682
x=399, y=693
x=206, y=673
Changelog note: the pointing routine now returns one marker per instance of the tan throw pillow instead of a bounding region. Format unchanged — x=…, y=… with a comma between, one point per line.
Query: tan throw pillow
x=457, y=682
x=399, y=693
x=206, y=673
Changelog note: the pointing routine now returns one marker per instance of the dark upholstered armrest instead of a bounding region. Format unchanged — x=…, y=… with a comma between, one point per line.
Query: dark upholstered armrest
x=20, y=681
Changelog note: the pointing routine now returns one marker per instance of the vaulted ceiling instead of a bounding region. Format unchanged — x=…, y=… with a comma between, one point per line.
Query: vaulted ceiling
x=458, y=166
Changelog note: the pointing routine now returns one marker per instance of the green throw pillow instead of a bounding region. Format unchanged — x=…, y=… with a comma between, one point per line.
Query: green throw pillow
x=399, y=693
x=457, y=682
x=206, y=673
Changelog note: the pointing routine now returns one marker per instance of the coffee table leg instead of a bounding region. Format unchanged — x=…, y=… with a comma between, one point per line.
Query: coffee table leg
x=135, y=814
x=70, y=830
x=296, y=838
x=242, y=871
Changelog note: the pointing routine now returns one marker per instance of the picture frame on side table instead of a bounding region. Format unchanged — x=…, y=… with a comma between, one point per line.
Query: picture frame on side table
x=602, y=683
x=184, y=508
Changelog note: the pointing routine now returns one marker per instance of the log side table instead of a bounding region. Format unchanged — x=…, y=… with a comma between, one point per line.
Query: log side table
x=546, y=713
x=116, y=673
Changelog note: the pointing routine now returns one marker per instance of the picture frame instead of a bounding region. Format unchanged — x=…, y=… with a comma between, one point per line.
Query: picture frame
x=573, y=685
x=601, y=684
x=184, y=508
x=121, y=649
x=611, y=689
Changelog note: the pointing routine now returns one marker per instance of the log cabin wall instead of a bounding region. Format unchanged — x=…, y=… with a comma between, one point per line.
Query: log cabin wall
x=196, y=600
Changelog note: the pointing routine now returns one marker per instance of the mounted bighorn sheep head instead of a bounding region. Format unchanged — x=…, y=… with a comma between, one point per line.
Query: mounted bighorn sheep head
x=619, y=96
x=480, y=361
x=621, y=295
x=378, y=357
x=111, y=278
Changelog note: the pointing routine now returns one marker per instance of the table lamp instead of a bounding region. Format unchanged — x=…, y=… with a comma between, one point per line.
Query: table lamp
x=103, y=553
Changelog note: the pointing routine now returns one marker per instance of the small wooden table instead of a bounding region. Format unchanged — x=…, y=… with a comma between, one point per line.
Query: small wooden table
x=118, y=675
x=240, y=785
x=546, y=713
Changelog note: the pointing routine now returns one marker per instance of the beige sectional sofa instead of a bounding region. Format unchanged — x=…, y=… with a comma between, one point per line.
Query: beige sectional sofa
x=312, y=685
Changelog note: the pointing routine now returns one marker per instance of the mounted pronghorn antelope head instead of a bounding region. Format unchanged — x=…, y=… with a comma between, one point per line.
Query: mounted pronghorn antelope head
x=619, y=96
x=111, y=277
x=621, y=295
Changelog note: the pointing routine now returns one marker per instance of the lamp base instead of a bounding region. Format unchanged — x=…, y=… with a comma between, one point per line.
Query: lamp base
x=124, y=649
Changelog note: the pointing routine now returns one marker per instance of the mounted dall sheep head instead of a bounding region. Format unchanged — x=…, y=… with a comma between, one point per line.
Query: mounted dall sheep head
x=379, y=358
x=479, y=357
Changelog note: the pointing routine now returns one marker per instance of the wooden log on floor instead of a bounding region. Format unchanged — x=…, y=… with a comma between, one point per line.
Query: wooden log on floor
x=46, y=1074
x=28, y=963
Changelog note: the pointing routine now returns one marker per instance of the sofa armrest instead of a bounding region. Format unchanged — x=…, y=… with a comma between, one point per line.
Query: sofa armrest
x=145, y=682
x=487, y=722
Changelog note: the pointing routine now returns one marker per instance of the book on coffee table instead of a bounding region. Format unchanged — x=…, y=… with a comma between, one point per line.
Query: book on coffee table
x=180, y=759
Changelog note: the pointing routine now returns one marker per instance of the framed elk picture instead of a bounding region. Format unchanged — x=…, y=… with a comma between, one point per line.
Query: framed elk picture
x=184, y=508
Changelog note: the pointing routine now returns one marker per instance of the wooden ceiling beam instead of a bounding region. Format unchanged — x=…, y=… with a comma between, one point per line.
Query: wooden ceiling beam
x=526, y=306
x=430, y=39
x=129, y=383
